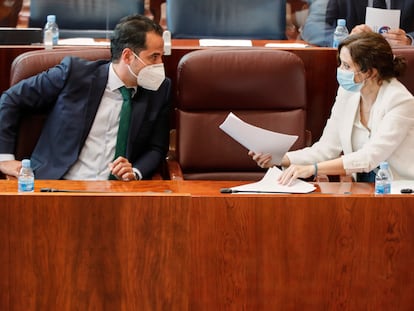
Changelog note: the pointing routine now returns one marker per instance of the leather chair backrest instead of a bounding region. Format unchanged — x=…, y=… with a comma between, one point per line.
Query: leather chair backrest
x=92, y=18
x=259, y=19
x=32, y=63
x=266, y=88
x=408, y=78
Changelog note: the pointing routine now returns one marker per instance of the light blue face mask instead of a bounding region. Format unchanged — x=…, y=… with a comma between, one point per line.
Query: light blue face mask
x=346, y=80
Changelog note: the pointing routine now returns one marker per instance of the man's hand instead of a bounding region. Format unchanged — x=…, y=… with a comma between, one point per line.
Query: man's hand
x=397, y=37
x=393, y=36
x=122, y=169
x=10, y=168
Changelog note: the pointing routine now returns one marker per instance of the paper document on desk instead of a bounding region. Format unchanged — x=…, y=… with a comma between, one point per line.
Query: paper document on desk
x=269, y=184
x=257, y=139
x=225, y=42
x=83, y=42
x=286, y=45
x=381, y=20
x=398, y=185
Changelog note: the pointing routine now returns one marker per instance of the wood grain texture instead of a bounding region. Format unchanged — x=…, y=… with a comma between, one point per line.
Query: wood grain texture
x=302, y=253
x=138, y=247
x=95, y=252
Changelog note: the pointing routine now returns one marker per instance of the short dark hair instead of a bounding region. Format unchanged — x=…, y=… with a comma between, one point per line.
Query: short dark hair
x=131, y=32
x=371, y=50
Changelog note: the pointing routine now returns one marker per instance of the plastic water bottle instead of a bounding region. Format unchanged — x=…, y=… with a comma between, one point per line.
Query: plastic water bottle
x=383, y=179
x=50, y=32
x=25, y=179
x=341, y=32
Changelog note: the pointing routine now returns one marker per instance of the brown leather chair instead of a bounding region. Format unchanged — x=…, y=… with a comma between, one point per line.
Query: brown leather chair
x=263, y=87
x=32, y=63
x=408, y=78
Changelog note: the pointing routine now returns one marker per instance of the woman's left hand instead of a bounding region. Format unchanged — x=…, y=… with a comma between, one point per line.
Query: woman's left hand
x=294, y=172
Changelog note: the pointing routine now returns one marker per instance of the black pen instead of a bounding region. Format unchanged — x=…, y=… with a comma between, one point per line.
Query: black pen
x=66, y=190
x=229, y=190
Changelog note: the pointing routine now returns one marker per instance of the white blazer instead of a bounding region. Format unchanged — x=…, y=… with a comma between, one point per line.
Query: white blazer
x=391, y=139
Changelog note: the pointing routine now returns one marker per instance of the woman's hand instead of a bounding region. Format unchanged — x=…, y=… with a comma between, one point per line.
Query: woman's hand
x=262, y=160
x=294, y=172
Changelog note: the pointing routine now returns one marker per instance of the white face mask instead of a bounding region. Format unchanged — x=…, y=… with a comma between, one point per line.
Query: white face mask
x=151, y=76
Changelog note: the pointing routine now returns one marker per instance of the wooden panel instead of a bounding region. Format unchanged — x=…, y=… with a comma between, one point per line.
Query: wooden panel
x=89, y=252
x=302, y=253
x=182, y=245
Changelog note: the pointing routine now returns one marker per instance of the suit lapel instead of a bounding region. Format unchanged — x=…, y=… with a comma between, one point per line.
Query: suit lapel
x=94, y=97
x=140, y=104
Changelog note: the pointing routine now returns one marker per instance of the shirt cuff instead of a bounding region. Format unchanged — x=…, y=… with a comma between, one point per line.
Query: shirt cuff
x=138, y=175
x=6, y=157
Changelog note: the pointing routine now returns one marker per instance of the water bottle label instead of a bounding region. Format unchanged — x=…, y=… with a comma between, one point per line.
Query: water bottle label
x=55, y=39
x=26, y=186
x=383, y=189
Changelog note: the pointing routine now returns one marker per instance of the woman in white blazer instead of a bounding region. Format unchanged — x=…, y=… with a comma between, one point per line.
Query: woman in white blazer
x=371, y=121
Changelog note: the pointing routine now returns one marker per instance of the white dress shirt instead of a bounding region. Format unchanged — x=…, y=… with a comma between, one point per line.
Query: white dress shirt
x=99, y=148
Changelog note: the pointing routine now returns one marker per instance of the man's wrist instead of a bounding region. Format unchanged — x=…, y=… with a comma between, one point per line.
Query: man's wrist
x=137, y=173
x=410, y=39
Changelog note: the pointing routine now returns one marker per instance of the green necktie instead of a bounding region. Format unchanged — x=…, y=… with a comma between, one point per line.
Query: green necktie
x=124, y=120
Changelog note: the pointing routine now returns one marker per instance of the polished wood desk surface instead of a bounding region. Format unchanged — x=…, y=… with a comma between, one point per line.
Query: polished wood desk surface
x=170, y=187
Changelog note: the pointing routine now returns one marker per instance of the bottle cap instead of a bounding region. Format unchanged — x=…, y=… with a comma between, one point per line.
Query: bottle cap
x=384, y=165
x=341, y=22
x=26, y=163
x=51, y=18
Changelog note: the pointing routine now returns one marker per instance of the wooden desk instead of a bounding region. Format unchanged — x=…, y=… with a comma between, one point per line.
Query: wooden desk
x=320, y=65
x=181, y=245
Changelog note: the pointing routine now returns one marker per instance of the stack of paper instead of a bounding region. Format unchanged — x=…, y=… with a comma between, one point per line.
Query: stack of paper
x=276, y=144
x=270, y=184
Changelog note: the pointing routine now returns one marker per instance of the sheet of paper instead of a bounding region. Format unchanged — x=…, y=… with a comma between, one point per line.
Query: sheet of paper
x=225, y=42
x=82, y=41
x=269, y=184
x=258, y=139
x=397, y=185
x=381, y=20
x=287, y=45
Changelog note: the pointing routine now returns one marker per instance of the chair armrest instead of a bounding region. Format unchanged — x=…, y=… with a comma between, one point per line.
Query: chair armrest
x=174, y=169
x=308, y=138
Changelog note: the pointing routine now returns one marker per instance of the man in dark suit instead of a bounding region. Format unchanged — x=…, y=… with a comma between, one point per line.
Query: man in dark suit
x=84, y=101
x=354, y=12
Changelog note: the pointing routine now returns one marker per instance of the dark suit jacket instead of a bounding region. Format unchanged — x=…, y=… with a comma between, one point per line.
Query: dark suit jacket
x=71, y=93
x=354, y=13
